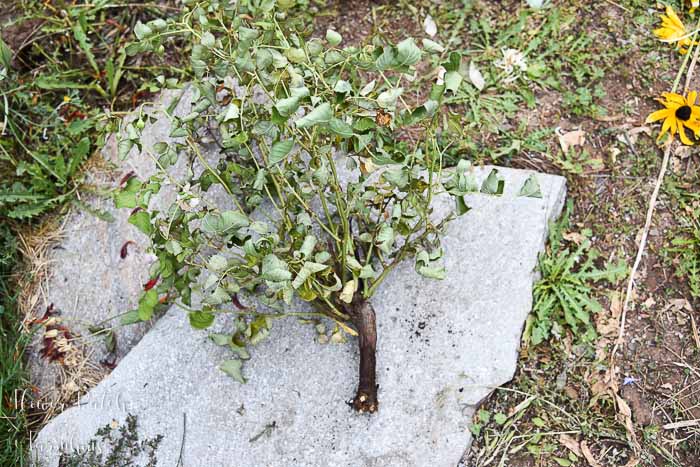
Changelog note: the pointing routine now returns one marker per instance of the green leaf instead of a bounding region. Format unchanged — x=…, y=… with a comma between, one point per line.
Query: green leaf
x=295, y=55
x=333, y=57
x=342, y=86
x=432, y=47
x=147, y=304
x=200, y=319
x=484, y=416
x=279, y=151
x=247, y=34
x=233, y=369
x=217, y=263
x=287, y=106
x=5, y=54
x=81, y=38
x=385, y=238
x=142, y=221
x=215, y=223
x=232, y=112
x=531, y=188
x=208, y=40
x=220, y=339
x=274, y=269
x=333, y=37
x=397, y=176
x=308, y=246
x=432, y=272
x=387, y=99
x=340, y=128
x=453, y=80
x=493, y=185
x=142, y=31
x=320, y=115
x=461, y=206
x=127, y=196
x=408, y=53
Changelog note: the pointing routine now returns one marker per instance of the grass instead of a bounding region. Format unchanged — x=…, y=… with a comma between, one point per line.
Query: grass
x=67, y=76
x=13, y=377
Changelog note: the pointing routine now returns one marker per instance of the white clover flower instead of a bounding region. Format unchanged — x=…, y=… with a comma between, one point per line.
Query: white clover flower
x=513, y=63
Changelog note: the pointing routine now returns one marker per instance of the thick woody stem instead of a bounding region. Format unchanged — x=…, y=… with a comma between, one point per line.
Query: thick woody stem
x=365, y=321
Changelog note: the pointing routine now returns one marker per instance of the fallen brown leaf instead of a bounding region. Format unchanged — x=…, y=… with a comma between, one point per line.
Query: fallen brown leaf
x=588, y=455
x=571, y=139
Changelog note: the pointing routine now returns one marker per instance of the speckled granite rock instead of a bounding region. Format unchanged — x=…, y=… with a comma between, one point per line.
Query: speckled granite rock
x=442, y=347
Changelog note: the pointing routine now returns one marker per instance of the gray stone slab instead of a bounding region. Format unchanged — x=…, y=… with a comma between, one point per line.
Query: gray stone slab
x=442, y=347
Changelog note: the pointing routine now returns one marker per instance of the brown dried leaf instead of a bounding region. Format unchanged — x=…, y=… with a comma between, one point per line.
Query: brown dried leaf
x=574, y=237
x=571, y=139
x=588, y=455
x=570, y=443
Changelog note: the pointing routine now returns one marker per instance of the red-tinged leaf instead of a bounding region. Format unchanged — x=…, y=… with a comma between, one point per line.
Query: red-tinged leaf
x=47, y=314
x=124, y=252
x=237, y=303
x=111, y=364
x=128, y=176
x=135, y=210
x=150, y=284
x=163, y=299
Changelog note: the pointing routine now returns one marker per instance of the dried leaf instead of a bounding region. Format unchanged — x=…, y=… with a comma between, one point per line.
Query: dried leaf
x=588, y=455
x=476, y=77
x=570, y=443
x=124, y=252
x=429, y=26
x=571, y=139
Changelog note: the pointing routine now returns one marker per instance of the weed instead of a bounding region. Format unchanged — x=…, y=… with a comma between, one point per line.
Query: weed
x=563, y=297
x=115, y=445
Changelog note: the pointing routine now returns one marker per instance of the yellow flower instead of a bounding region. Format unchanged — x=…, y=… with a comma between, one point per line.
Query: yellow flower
x=679, y=113
x=694, y=4
x=673, y=30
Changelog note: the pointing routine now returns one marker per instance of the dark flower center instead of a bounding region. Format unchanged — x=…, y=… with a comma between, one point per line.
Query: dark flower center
x=683, y=113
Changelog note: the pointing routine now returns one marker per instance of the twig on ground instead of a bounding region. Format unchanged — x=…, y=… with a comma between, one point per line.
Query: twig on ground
x=182, y=444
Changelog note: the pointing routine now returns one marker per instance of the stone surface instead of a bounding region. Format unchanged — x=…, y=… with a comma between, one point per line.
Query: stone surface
x=442, y=347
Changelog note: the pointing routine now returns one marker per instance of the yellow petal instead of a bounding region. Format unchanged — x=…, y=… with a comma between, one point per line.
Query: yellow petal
x=674, y=17
x=673, y=97
x=690, y=100
x=658, y=115
x=684, y=138
x=662, y=33
x=693, y=125
x=665, y=127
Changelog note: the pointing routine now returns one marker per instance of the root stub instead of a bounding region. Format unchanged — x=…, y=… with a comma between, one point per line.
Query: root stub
x=365, y=402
